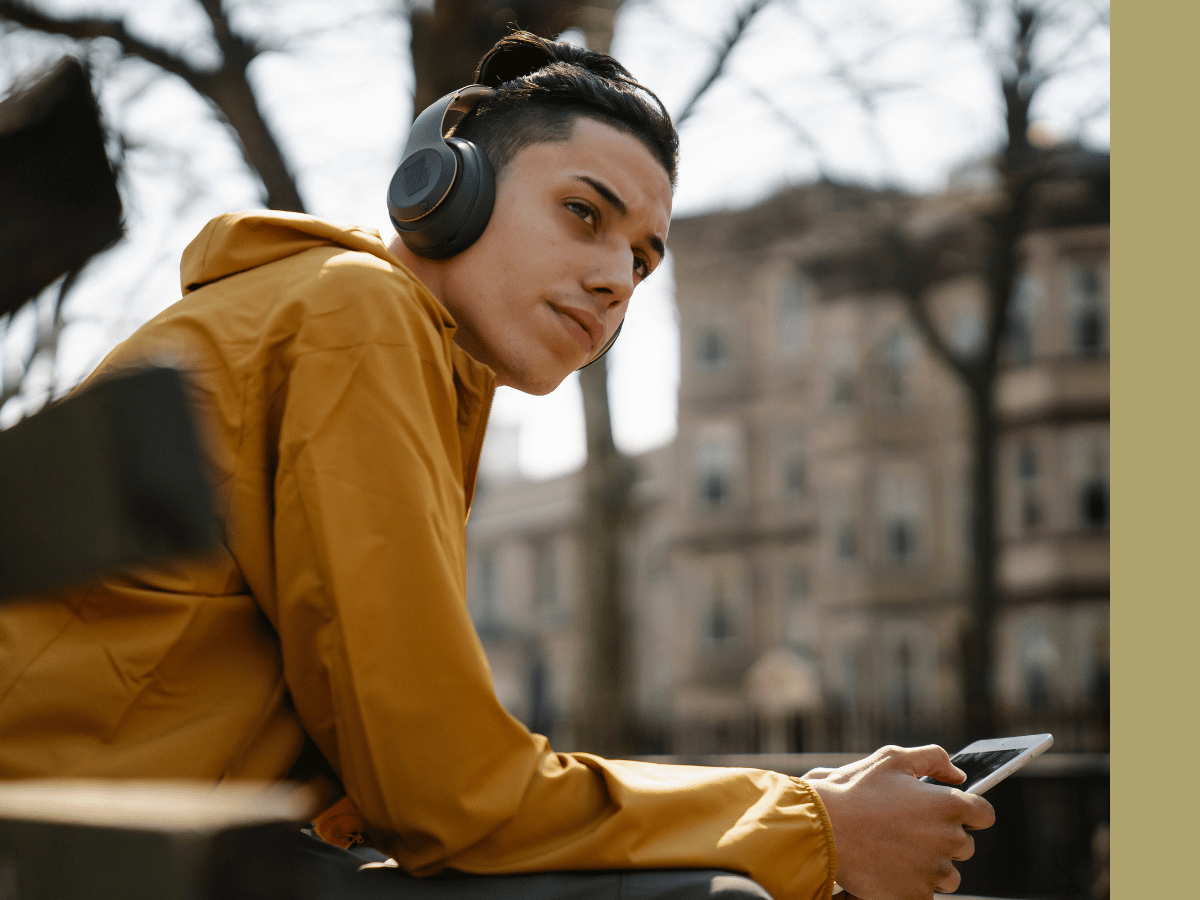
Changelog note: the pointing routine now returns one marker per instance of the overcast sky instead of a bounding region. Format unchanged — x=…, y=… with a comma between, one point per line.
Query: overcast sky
x=790, y=107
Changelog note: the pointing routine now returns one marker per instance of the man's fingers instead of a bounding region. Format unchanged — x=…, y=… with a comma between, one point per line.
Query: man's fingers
x=931, y=760
x=819, y=772
x=979, y=813
x=966, y=849
x=948, y=879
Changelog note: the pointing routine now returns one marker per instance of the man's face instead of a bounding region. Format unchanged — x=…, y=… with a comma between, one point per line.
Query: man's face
x=577, y=226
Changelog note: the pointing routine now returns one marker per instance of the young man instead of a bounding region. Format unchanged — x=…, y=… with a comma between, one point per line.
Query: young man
x=344, y=388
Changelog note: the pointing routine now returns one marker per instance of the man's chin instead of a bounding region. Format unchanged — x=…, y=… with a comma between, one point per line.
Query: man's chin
x=536, y=383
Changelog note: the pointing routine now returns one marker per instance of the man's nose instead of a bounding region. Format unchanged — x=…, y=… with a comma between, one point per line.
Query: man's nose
x=611, y=277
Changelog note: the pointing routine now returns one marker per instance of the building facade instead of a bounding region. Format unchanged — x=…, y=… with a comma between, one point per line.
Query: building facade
x=799, y=562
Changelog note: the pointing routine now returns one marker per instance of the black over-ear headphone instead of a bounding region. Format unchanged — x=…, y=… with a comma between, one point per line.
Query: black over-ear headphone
x=442, y=195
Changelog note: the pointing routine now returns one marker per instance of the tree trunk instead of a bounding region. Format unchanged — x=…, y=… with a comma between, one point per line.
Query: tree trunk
x=607, y=715
x=978, y=696
x=448, y=40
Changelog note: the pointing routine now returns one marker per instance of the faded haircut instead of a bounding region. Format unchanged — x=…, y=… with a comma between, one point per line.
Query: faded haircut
x=543, y=86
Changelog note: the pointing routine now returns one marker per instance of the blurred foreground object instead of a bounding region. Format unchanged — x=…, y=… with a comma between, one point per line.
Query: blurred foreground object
x=58, y=193
x=109, y=840
x=110, y=477
x=113, y=476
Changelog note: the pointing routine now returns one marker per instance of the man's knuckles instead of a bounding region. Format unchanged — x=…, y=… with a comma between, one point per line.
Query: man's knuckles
x=948, y=880
x=964, y=849
x=979, y=813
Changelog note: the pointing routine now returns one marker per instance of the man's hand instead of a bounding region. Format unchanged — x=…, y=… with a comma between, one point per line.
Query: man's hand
x=898, y=838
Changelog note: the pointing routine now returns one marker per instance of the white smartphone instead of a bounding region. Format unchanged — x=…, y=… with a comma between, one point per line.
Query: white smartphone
x=987, y=763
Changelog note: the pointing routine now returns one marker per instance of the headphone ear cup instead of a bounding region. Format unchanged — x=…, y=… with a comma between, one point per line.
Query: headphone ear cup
x=457, y=221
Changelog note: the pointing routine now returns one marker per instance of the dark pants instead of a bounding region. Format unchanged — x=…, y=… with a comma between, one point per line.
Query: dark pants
x=341, y=871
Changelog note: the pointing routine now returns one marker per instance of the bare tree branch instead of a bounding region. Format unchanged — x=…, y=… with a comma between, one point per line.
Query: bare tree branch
x=83, y=28
x=226, y=87
x=45, y=343
x=912, y=281
x=732, y=38
x=844, y=73
x=801, y=133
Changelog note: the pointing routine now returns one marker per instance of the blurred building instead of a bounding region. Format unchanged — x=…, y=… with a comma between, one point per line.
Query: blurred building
x=799, y=568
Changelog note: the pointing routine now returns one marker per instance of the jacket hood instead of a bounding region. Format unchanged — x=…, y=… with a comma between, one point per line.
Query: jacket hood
x=237, y=242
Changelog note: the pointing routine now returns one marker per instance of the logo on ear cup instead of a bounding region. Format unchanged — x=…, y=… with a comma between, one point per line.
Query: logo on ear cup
x=422, y=182
x=416, y=176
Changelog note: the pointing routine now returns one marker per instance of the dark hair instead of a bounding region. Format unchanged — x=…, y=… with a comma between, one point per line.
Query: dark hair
x=543, y=86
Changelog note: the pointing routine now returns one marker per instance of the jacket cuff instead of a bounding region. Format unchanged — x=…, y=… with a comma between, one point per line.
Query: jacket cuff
x=827, y=830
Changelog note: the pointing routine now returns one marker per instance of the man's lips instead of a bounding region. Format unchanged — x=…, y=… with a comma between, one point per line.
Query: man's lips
x=582, y=325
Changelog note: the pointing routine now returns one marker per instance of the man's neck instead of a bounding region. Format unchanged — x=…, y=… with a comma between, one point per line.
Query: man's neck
x=427, y=270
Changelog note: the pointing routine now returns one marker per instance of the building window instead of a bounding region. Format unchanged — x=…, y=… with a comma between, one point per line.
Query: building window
x=712, y=348
x=901, y=510
x=966, y=334
x=967, y=520
x=719, y=628
x=545, y=575
x=1027, y=478
x=1093, y=504
x=795, y=605
x=1091, y=479
x=1027, y=466
x=486, y=588
x=851, y=662
x=847, y=541
x=715, y=488
x=896, y=355
x=1038, y=660
x=842, y=363
x=716, y=465
x=797, y=583
x=1022, y=319
x=901, y=538
x=841, y=515
x=794, y=324
x=1088, y=324
x=904, y=684
x=1095, y=670
x=795, y=479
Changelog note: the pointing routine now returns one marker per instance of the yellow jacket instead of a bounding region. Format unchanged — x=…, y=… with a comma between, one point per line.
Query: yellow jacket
x=343, y=428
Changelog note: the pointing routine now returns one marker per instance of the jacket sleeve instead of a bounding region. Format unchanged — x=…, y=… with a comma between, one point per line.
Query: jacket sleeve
x=388, y=676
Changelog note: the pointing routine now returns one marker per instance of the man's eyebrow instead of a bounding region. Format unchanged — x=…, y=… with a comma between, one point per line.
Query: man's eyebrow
x=618, y=204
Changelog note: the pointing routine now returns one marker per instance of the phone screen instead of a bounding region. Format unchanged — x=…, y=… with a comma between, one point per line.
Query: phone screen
x=978, y=766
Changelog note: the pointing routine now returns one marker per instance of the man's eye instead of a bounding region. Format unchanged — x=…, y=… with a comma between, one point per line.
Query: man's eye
x=641, y=268
x=582, y=210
